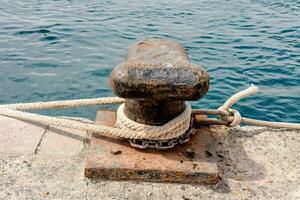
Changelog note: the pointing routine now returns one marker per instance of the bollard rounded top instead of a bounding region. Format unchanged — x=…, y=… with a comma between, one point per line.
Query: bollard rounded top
x=158, y=69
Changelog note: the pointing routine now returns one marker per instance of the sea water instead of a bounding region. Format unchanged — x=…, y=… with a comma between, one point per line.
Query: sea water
x=56, y=50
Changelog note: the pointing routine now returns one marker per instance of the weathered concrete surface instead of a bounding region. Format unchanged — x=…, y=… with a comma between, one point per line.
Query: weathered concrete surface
x=255, y=163
x=62, y=141
x=18, y=137
x=22, y=138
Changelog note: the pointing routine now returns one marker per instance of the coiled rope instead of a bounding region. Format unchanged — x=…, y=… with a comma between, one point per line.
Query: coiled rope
x=174, y=128
x=132, y=130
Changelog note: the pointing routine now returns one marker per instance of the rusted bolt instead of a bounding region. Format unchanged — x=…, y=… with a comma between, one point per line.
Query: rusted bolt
x=156, y=79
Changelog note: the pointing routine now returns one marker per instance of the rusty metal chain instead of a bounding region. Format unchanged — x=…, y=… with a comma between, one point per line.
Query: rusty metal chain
x=163, y=144
x=224, y=118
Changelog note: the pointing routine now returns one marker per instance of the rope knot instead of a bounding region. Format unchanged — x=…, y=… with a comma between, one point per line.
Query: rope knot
x=237, y=118
x=232, y=117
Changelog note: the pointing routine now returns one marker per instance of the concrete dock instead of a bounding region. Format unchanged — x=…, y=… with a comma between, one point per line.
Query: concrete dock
x=42, y=162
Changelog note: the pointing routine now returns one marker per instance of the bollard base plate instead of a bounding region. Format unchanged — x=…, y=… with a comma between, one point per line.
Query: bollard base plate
x=111, y=159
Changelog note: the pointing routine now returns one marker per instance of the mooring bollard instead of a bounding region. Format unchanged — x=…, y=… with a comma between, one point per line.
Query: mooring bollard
x=156, y=79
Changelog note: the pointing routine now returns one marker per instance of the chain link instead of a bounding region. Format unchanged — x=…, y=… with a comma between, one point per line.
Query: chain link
x=163, y=144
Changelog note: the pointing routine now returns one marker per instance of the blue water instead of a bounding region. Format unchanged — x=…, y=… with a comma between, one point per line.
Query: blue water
x=52, y=50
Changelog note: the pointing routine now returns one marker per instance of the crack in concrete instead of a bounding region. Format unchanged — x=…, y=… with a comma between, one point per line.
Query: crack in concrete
x=47, y=128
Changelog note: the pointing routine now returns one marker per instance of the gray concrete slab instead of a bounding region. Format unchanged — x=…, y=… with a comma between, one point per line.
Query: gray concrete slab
x=62, y=141
x=254, y=163
x=19, y=137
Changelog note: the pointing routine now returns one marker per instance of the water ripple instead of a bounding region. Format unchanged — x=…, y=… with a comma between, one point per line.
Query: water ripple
x=54, y=50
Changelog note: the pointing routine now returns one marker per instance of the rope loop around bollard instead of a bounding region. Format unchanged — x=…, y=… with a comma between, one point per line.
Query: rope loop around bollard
x=129, y=130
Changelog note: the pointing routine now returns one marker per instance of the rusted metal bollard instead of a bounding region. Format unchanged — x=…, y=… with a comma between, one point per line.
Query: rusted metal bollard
x=155, y=80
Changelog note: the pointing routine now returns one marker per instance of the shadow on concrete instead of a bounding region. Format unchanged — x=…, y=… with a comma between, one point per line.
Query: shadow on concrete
x=234, y=162
x=66, y=133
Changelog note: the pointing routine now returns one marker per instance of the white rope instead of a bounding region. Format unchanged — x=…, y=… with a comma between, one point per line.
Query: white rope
x=130, y=129
x=64, y=104
x=270, y=124
x=240, y=95
x=171, y=129
x=234, y=118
